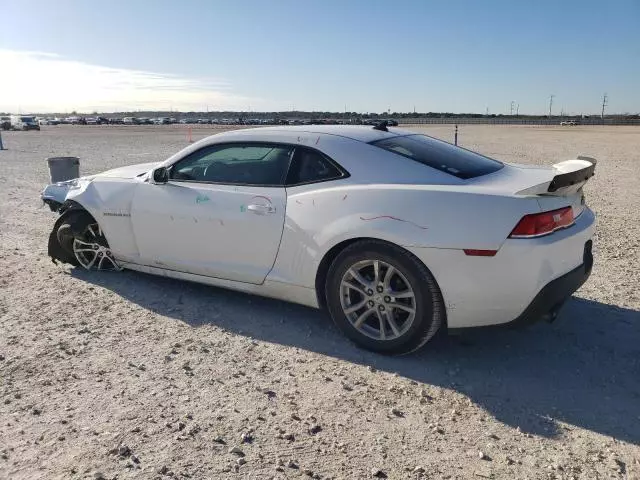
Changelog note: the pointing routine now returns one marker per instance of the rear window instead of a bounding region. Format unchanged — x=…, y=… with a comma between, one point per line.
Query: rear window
x=440, y=155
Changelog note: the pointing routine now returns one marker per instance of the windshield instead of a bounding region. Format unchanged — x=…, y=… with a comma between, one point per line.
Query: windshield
x=440, y=155
x=26, y=119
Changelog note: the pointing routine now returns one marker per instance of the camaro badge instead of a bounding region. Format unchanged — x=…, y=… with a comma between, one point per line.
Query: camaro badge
x=116, y=214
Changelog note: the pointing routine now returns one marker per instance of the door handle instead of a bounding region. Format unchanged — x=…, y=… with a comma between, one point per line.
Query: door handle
x=260, y=209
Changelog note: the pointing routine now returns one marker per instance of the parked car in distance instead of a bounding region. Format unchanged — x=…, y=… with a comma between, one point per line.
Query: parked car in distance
x=569, y=123
x=24, y=122
x=130, y=121
x=334, y=217
x=5, y=123
x=115, y=121
x=162, y=121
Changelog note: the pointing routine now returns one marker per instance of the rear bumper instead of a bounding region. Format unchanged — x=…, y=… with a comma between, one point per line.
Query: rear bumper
x=547, y=303
x=485, y=291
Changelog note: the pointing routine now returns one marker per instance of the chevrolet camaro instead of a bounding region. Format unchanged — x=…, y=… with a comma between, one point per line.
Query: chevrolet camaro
x=396, y=234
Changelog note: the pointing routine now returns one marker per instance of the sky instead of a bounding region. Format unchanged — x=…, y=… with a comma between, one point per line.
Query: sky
x=325, y=55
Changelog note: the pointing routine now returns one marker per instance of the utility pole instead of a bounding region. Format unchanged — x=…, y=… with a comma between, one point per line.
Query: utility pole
x=550, y=104
x=517, y=109
x=605, y=99
x=512, y=103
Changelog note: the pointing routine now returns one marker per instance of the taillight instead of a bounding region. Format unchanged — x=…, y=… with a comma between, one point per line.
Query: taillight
x=540, y=224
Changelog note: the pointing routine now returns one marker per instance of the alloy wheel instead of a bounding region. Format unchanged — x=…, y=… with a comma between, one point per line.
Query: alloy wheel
x=377, y=299
x=93, y=251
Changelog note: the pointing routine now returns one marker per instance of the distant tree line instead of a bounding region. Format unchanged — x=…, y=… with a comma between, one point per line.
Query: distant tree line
x=301, y=114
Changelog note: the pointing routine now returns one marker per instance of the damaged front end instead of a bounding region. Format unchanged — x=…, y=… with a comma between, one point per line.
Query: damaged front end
x=60, y=247
x=55, y=196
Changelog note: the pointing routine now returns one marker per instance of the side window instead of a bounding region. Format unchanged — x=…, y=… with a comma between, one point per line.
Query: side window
x=311, y=166
x=245, y=164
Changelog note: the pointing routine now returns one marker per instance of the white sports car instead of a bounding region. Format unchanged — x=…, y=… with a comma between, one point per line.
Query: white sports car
x=396, y=234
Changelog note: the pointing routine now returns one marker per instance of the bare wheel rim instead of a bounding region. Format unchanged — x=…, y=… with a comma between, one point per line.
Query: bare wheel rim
x=92, y=251
x=378, y=300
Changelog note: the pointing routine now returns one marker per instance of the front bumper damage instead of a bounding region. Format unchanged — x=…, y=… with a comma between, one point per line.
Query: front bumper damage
x=55, y=195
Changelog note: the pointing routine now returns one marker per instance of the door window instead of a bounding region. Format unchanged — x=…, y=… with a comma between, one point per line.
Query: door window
x=239, y=164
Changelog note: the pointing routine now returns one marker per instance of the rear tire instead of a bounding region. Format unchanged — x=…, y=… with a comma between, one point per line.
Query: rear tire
x=383, y=298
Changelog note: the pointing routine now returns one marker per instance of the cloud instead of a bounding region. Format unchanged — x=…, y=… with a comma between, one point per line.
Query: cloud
x=46, y=82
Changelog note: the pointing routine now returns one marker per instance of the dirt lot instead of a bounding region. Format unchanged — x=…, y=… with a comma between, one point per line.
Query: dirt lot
x=126, y=375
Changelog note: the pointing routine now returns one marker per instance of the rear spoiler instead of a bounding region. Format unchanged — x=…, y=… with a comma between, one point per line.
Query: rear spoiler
x=573, y=172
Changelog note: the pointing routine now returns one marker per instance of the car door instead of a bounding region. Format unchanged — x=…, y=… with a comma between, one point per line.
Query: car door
x=220, y=214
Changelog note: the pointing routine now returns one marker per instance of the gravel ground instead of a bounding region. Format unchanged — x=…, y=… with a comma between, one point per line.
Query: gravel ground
x=126, y=375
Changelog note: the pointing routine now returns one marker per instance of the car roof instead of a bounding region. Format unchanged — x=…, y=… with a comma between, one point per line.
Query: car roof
x=364, y=133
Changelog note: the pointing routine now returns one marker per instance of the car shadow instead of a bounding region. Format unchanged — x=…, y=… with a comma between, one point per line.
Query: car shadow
x=582, y=370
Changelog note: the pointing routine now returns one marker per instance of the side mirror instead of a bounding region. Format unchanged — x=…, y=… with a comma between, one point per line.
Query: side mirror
x=161, y=175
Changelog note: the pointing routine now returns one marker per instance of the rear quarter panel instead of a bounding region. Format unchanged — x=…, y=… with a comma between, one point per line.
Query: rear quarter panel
x=436, y=216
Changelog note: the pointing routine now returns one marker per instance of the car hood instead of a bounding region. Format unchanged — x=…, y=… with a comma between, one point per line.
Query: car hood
x=130, y=171
x=56, y=193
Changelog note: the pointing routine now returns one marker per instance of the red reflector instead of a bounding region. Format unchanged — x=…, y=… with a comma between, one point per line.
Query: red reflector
x=539, y=224
x=479, y=253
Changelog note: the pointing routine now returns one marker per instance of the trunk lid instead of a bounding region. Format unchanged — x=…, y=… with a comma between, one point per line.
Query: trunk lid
x=557, y=186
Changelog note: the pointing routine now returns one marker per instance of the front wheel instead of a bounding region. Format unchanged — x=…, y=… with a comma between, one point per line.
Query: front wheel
x=383, y=298
x=83, y=237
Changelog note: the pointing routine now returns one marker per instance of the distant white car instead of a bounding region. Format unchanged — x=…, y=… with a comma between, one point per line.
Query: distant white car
x=49, y=121
x=568, y=123
x=22, y=122
x=396, y=234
